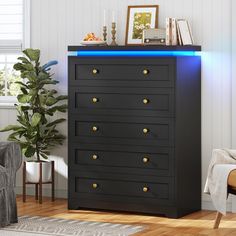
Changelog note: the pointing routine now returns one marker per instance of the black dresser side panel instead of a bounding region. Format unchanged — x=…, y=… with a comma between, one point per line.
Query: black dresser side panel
x=188, y=134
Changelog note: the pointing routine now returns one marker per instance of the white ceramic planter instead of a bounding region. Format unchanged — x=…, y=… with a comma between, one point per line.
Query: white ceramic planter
x=32, y=171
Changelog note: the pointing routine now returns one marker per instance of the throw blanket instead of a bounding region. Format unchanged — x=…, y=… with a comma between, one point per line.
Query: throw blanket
x=222, y=163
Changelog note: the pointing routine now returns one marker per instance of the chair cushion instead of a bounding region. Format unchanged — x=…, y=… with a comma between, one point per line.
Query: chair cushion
x=3, y=178
x=232, y=179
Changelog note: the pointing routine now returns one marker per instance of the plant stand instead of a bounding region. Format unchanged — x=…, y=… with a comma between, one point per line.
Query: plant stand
x=39, y=185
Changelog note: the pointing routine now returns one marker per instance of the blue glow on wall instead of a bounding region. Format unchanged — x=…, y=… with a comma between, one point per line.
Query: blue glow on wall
x=102, y=53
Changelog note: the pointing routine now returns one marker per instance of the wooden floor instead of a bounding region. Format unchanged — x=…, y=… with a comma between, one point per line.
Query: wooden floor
x=199, y=223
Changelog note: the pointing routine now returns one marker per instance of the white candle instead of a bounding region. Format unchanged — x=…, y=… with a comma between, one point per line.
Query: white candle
x=113, y=16
x=104, y=18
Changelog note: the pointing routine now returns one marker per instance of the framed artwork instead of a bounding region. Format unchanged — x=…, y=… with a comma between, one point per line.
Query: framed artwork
x=138, y=19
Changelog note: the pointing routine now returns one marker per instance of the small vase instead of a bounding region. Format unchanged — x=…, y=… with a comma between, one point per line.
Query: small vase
x=33, y=171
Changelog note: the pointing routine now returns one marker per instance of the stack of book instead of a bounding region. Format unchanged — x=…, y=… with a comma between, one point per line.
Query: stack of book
x=178, y=32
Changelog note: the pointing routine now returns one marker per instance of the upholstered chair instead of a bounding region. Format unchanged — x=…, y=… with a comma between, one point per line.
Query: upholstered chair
x=232, y=190
x=10, y=162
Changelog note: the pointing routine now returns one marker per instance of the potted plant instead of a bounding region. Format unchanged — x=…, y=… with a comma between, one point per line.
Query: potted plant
x=37, y=104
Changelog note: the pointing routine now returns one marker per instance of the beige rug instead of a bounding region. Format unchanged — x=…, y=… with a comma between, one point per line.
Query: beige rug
x=44, y=226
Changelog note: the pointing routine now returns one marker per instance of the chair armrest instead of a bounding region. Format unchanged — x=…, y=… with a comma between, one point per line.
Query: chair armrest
x=10, y=156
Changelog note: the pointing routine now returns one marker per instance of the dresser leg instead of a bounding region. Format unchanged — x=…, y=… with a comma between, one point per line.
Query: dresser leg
x=36, y=191
x=53, y=181
x=40, y=183
x=24, y=184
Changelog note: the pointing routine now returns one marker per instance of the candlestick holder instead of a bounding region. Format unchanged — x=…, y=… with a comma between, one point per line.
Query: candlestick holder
x=105, y=34
x=113, y=33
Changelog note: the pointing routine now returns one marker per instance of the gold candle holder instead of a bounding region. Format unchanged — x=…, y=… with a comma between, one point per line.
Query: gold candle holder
x=113, y=33
x=105, y=34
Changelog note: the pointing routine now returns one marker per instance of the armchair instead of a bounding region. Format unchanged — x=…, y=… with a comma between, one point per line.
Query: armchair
x=231, y=189
x=10, y=162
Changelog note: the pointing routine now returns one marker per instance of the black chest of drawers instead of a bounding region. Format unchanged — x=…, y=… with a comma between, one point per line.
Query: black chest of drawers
x=135, y=130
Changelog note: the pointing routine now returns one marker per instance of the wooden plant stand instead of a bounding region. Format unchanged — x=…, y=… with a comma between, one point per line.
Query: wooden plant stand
x=39, y=185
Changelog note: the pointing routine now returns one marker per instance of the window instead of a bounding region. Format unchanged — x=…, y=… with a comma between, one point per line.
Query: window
x=14, y=36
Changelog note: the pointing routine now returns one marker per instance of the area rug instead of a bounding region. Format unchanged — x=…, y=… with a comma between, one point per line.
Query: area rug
x=44, y=226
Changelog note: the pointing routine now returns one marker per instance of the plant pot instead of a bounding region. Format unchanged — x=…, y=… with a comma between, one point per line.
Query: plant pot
x=33, y=171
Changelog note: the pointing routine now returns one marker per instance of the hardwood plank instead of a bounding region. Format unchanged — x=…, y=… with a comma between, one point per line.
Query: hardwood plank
x=199, y=223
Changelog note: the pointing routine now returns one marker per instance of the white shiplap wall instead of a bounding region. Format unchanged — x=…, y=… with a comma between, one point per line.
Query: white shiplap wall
x=233, y=26
x=55, y=24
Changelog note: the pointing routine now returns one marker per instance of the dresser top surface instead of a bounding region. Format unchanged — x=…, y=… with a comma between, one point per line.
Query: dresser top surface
x=135, y=48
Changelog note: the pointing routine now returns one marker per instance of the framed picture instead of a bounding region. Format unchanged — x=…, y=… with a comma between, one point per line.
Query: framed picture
x=138, y=19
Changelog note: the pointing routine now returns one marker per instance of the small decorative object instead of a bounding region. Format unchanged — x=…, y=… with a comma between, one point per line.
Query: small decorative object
x=113, y=33
x=185, y=32
x=104, y=27
x=104, y=33
x=92, y=39
x=36, y=130
x=154, y=37
x=138, y=19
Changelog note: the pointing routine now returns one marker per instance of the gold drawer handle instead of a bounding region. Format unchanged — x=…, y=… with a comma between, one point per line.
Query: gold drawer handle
x=95, y=157
x=95, y=128
x=145, y=189
x=145, y=130
x=95, y=71
x=95, y=100
x=145, y=71
x=145, y=101
x=145, y=160
x=94, y=185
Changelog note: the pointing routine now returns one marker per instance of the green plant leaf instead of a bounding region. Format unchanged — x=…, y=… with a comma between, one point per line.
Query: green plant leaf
x=55, y=122
x=43, y=76
x=62, y=97
x=35, y=119
x=61, y=108
x=24, y=91
x=13, y=139
x=51, y=101
x=18, y=66
x=32, y=54
x=29, y=151
x=30, y=75
x=48, y=81
x=10, y=127
x=42, y=99
x=23, y=59
x=25, y=108
x=23, y=98
x=21, y=83
x=28, y=67
x=43, y=155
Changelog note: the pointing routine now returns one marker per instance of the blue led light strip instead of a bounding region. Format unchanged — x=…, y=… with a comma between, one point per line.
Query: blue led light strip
x=102, y=53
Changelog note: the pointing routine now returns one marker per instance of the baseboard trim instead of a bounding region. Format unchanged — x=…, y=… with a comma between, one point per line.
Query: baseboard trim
x=59, y=193
x=62, y=193
x=208, y=205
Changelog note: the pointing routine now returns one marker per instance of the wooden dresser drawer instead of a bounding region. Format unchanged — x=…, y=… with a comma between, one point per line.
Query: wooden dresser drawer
x=160, y=164
x=122, y=72
x=122, y=158
x=123, y=188
x=126, y=73
x=133, y=160
x=160, y=102
x=108, y=132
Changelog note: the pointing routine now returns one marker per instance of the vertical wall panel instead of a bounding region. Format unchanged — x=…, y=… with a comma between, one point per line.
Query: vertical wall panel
x=58, y=23
x=233, y=85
